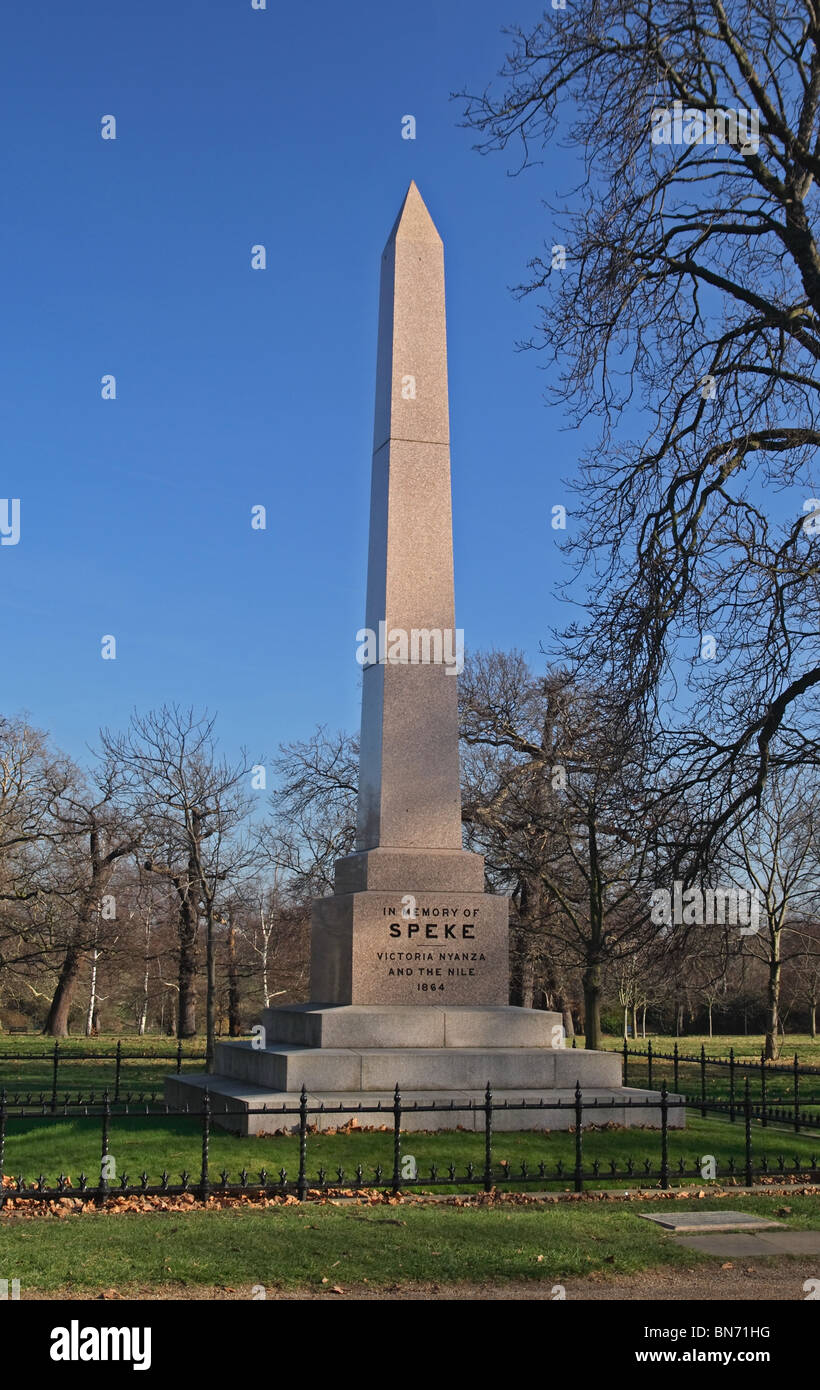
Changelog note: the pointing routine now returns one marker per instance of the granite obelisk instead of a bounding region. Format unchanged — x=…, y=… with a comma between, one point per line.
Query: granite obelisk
x=409, y=792
x=410, y=922
x=409, y=955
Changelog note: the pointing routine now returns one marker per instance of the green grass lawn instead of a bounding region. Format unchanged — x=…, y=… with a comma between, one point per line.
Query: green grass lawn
x=50, y=1147
x=293, y=1246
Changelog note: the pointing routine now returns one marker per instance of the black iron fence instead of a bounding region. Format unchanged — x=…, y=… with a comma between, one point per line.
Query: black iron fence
x=58, y=1056
x=659, y=1170
x=726, y=1071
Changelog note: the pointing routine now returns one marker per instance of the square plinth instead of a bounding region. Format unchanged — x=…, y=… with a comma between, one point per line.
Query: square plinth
x=453, y=949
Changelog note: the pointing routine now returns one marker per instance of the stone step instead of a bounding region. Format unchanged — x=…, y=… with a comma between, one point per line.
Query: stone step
x=611, y=1106
x=289, y=1067
x=386, y=1025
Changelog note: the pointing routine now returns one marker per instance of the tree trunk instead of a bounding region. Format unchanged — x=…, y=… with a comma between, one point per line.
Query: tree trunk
x=592, y=1005
x=524, y=986
x=92, y=997
x=144, y=1006
x=265, y=946
x=813, y=1019
x=188, y=932
x=56, y=1025
x=772, y=1046
x=643, y=1022
x=210, y=993
x=188, y=961
x=234, y=1021
x=569, y=1026
x=593, y=988
x=635, y=1021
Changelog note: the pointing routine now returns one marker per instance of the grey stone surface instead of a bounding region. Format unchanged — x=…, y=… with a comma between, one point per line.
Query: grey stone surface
x=455, y=951
x=403, y=871
x=460, y=1068
x=710, y=1221
x=589, y=1068
x=742, y=1245
x=395, y=1025
x=287, y=1067
x=503, y=1026
x=236, y=1096
x=791, y=1242
x=355, y=1025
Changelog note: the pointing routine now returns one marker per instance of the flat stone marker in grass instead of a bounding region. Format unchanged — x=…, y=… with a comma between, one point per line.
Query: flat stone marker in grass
x=694, y=1221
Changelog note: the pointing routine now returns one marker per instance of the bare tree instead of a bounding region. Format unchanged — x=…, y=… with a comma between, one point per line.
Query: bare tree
x=692, y=287
x=804, y=967
x=93, y=836
x=558, y=795
x=776, y=851
x=314, y=809
x=193, y=805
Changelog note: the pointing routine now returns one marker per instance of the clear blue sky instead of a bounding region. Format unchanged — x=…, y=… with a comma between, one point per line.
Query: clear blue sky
x=237, y=387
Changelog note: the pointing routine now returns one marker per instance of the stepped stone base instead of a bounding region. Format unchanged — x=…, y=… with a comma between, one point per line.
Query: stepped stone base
x=347, y=1056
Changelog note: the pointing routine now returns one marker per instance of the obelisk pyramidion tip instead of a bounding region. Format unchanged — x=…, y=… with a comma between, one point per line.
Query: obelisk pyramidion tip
x=414, y=222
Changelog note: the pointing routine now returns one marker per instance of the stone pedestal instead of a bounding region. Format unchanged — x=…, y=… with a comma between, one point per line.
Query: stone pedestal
x=348, y=1056
x=452, y=950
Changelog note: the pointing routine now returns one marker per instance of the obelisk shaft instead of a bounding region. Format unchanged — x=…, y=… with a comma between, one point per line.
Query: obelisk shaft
x=409, y=922
x=409, y=792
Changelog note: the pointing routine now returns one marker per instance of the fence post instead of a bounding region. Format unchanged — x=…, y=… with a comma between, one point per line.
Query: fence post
x=732, y=1084
x=302, y=1184
x=747, y=1106
x=763, y=1085
x=488, y=1139
x=179, y=1055
x=579, y=1140
x=676, y=1066
x=626, y=1062
x=55, y=1065
x=396, y=1141
x=796, y=1094
x=649, y=1057
x=2, y=1141
x=204, y=1177
x=106, y=1134
x=703, y=1080
x=664, y=1135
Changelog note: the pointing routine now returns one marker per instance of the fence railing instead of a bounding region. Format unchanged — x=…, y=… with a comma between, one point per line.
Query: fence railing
x=488, y=1175
x=731, y=1067
x=55, y=1056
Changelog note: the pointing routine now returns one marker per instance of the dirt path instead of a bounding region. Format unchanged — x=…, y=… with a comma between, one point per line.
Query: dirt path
x=779, y=1280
